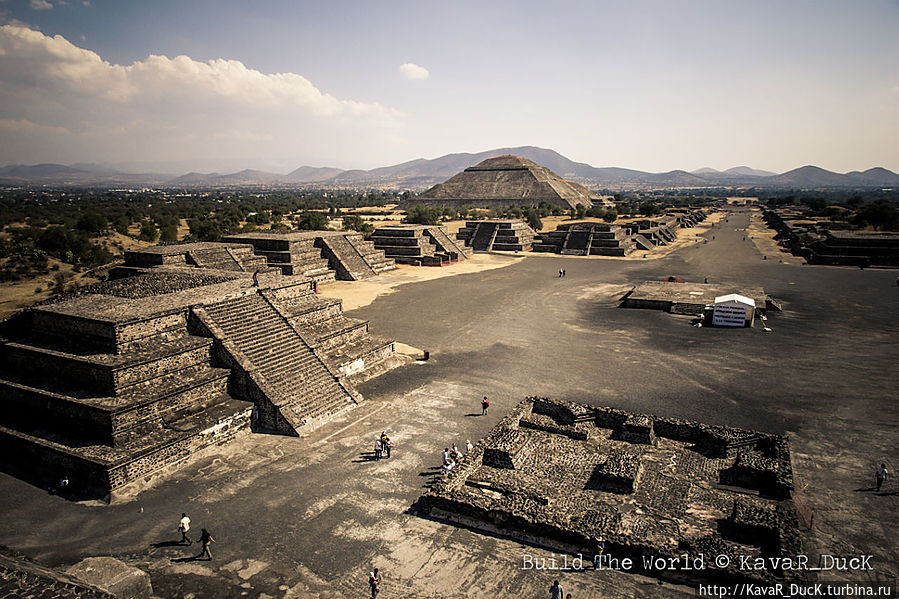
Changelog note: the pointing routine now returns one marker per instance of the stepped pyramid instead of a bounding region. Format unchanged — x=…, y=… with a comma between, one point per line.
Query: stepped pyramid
x=128, y=377
x=322, y=255
x=419, y=244
x=503, y=181
x=586, y=239
x=503, y=235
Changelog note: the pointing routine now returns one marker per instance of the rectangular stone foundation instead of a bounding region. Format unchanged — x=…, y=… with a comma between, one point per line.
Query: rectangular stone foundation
x=545, y=486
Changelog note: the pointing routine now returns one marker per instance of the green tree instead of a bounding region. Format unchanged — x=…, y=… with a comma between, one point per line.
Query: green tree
x=354, y=222
x=168, y=232
x=610, y=216
x=121, y=223
x=880, y=214
x=92, y=223
x=312, y=221
x=148, y=231
x=423, y=215
x=204, y=230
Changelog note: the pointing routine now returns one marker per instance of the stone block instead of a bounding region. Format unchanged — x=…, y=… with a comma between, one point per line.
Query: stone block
x=118, y=578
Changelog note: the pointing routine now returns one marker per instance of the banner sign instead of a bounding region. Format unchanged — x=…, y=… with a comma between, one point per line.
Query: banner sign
x=729, y=316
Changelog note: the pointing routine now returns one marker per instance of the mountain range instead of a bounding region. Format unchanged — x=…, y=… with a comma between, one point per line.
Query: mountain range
x=423, y=173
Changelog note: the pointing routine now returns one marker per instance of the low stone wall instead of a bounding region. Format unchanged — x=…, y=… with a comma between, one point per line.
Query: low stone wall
x=43, y=464
x=90, y=333
x=532, y=479
x=33, y=408
x=178, y=450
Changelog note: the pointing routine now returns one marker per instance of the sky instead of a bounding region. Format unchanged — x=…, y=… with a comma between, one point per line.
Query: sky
x=177, y=85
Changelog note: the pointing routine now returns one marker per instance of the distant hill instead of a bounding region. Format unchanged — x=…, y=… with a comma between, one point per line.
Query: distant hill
x=733, y=176
x=877, y=176
x=244, y=177
x=304, y=174
x=745, y=171
x=810, y=176
x=86, y=175
x=423, y=173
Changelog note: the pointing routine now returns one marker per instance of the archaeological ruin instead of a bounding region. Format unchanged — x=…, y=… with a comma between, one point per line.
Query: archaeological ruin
x=822, y=243
x=322, y=255
x=428, y=245
x=196, y=343
x=502, y=235
x=679, y=297
x=580, y=479
x=505, y=181
x=587, y=239
x=602, y=239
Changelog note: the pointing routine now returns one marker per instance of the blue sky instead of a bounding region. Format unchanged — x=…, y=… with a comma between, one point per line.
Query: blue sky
x=647, y=85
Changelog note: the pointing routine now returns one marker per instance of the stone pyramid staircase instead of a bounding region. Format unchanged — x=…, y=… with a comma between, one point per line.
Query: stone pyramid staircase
x=291, y=384
x=350, y=263
x=500, y=235
x=344, y=342
x=447, y=245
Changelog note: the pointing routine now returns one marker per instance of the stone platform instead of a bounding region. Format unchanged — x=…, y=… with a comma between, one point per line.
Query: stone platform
x=581, y=479
x=419, y=245
x=586, y=239
x=505, y=235
x=321, y=255
x=126, y=378
x=689, y=298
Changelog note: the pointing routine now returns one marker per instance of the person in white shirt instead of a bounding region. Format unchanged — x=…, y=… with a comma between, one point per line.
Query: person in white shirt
x=880, y=475
x=183, y=527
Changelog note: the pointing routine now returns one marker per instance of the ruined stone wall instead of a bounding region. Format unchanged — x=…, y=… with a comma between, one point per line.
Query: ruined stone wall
x=143, y=465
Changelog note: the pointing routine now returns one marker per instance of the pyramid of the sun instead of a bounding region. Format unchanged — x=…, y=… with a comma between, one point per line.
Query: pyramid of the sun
x=503, y=181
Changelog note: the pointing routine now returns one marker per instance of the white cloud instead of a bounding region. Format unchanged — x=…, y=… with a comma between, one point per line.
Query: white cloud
x=158, y=107
x=27, y=127
x=413, y=72
x=40, y=5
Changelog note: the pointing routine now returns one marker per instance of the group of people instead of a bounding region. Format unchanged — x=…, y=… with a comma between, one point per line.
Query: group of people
x=561, y=273
x=382, y=446
x=205, y=538
x=451, y=456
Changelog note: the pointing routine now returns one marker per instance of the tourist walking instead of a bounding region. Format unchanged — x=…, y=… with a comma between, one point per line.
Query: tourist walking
x=206, y=539
x=880, y=475
x=468, y=446
x=377, y=449
x=386, y=445
x=555, y=591
x=374, y=582
x=485, y=403
x=183, y=527
x=561, y=273
x=564, y=273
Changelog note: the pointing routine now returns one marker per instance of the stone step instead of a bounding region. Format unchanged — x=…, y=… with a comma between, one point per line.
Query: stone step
x=105, y=374
x=95, y=470
x=103, y=419
x=292, y=376
x=337, y=331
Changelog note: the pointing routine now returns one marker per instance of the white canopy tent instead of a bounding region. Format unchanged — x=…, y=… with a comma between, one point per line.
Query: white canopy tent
x=733, y=310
